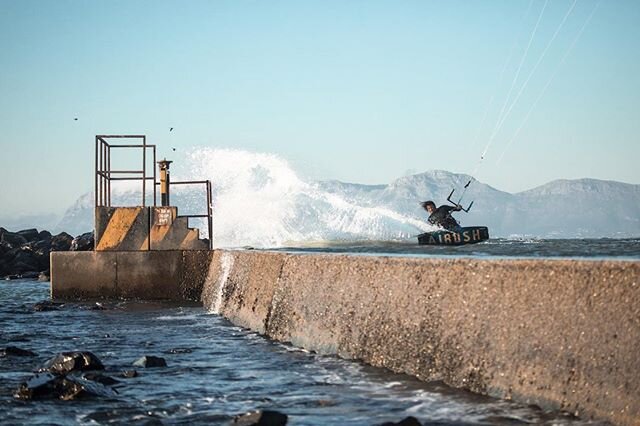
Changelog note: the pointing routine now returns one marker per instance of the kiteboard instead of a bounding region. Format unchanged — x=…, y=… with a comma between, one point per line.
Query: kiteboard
x=465, y=235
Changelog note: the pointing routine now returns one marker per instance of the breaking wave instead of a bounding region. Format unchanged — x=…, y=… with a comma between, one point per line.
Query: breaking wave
x=260, y=201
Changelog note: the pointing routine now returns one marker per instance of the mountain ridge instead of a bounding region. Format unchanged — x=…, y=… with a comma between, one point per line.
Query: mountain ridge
x=562, y=208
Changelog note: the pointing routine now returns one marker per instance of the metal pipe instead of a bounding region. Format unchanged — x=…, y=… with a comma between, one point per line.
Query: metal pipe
x=130, y=146
x=155, y=203
x=144, y=169
x=95, y=194
x=165, y=182
x=121, y=136
x=103, y=186
x=109, y=176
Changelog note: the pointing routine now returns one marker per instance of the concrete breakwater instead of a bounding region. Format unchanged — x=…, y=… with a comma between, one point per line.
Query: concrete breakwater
x=557, y=333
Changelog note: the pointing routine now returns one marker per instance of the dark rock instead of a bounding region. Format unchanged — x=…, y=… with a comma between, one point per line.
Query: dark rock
x=100, y=378
x=67, y=362
x=179, y=351
x=407, y=421
x=83, y=242
x=260, y=418
x=44, y=276
x=149, y=361
x=61, y=242
x=47, y=305
x=129, y=374
x=30, y=275
x=39, y=385
x=96, y=307
x=14, y=351
x=47, y=385
x=12, y=239
x=85, y=388
x=44, y=236
x=23, y=260
x=29, y=234
x=12, y=277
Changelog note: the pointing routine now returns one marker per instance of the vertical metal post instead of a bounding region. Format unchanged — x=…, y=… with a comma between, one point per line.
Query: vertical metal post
x=144, y=169
x=155, y=202
x=165, y=182
x=109, y=175
x=95, y=194
x=103, y=183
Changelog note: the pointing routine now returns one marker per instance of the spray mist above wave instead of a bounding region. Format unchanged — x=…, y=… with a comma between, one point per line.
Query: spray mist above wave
x=259, y=200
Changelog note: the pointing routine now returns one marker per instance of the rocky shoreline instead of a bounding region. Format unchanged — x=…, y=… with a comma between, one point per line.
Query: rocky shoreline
x=25, y=253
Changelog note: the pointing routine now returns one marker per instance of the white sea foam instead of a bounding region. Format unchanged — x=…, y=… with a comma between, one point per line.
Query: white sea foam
x=260, y=201
x=226, y=264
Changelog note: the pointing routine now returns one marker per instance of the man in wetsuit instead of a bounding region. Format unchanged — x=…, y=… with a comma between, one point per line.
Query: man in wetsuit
x=441, y=216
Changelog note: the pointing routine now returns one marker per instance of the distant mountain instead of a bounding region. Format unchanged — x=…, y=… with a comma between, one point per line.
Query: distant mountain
x=42, y=221
x=580, y=208
x=334, y=210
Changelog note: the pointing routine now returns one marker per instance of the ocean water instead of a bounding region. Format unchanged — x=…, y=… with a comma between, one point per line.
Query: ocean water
x=596, y=249
x=215, y=371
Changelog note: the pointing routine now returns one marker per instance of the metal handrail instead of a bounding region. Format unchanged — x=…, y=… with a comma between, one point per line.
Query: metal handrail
x=103, y=176
x=209, y=214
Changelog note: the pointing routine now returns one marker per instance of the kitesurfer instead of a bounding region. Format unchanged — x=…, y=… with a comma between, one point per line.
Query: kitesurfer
x=441, y=216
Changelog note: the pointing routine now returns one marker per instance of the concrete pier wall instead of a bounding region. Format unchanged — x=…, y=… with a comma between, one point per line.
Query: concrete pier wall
x=160, y=275
x=558, y=333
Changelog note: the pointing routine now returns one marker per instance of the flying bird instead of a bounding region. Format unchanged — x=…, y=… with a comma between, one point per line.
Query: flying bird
x=173, y=149
x=75, y=119
x=171, y=130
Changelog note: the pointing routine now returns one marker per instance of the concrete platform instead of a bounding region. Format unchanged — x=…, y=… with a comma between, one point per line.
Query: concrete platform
x=151, y=275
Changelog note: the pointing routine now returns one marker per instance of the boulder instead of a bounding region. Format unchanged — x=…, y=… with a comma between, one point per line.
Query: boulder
x=47, y=305
x=407, y=421
x=67, y=362
x=44, y=276
x=48, y=385
x=15, y=351
x=100, y=378
x=83, y=242
x=12, y=239
x=44, y=236
x=260, y=418
x=150, y=361
x=32, y=275
x=61, y=242
x=29, y=234
x=23, y=260
x=129, y=374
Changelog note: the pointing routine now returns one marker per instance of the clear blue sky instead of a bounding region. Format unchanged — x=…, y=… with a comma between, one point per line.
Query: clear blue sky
x=361, y=91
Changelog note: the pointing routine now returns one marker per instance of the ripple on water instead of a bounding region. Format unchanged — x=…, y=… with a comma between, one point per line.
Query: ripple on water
x=215, y=371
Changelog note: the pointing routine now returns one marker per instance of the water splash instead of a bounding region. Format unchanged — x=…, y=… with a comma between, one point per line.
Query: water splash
x=226, y=265
x=260, y=201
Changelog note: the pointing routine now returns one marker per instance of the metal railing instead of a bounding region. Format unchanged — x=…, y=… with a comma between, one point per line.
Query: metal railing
x=104, y=172
x=209, y=214
x=103, y=176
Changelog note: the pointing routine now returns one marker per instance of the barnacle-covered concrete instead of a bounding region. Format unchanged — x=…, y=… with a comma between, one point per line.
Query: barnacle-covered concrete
x=558, y=333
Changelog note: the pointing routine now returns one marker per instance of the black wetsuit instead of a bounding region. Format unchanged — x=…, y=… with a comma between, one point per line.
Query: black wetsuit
x=442, y=217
